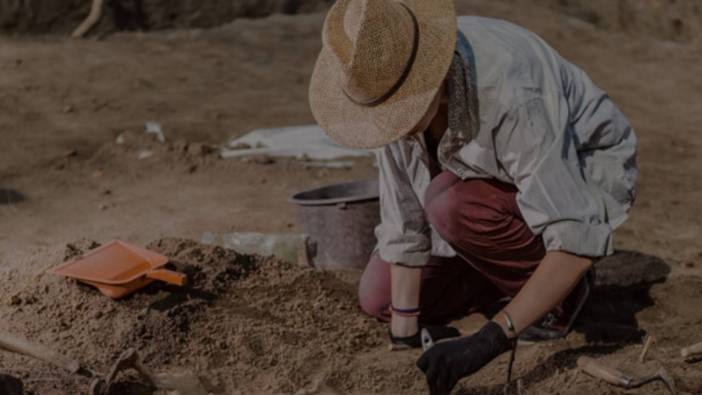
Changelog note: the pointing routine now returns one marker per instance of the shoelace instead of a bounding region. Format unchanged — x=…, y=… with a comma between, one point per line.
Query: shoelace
x=512, y=357
x=513, y=353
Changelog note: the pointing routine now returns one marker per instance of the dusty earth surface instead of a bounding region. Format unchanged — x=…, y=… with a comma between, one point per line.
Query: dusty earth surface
x=254, y=325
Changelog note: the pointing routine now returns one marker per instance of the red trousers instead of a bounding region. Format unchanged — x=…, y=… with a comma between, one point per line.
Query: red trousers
x=497, y=252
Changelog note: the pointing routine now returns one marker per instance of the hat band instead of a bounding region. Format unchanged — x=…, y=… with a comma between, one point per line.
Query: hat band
x=405, y=73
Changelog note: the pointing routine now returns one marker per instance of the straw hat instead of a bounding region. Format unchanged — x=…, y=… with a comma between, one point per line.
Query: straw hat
x=381, y=66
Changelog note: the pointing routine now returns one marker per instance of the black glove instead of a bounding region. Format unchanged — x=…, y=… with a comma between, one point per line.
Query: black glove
x=437, y=333
x=447, y=362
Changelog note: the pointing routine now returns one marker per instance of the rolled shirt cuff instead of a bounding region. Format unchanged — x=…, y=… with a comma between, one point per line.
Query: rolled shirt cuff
x=409, y=259
x=403, y=248
x=579, y=238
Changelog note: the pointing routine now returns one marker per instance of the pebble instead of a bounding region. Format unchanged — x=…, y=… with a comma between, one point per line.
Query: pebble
x=144, y=154
x=199, y=149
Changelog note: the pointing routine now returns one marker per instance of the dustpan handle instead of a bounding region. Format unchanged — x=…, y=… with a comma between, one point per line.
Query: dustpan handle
x=168, y=276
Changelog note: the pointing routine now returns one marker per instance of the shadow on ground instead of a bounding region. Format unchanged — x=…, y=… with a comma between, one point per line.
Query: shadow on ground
x=10, y=196
x=554, y=364
x=623, y=288
x=131, y=388
x=608, y=320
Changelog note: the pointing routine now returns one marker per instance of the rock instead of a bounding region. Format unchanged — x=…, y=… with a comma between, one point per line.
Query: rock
x=126, y=137
x=199, y=150
x=145, y=154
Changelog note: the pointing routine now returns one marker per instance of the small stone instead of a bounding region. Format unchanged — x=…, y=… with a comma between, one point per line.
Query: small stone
x=68, y=109
x=199, y=150
x=689, y=264
x=103, y=207
x=144, y=154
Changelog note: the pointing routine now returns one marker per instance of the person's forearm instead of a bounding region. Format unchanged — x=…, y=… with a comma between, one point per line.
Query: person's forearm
x=551, y=283
x=405, y=285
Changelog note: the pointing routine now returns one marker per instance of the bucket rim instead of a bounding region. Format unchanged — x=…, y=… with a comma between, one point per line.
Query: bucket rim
x=371, y=188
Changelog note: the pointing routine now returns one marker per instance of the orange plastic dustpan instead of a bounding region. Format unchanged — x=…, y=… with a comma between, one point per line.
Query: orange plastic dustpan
x=120, y=266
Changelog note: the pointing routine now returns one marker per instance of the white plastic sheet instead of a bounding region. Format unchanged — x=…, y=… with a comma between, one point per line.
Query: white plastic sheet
x=302, y=142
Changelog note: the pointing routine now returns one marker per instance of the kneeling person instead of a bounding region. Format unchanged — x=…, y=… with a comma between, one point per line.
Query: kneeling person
x=503, y=172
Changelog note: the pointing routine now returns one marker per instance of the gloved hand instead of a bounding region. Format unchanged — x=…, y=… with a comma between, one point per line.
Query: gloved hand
x=447, y=362
x=437, y=333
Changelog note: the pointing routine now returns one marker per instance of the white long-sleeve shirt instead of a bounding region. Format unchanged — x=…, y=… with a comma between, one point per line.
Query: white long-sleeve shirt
x=544, y=127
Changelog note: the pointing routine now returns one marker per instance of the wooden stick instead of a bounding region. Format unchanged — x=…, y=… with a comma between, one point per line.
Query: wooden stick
x=185, y=383
x=647, y=345
x=22, y=346
x=692, y=353
x=605, y=373
x=92, y=19
x=572, y=380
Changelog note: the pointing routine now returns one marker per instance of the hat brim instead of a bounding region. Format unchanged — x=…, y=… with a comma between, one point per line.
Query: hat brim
x=359, y=126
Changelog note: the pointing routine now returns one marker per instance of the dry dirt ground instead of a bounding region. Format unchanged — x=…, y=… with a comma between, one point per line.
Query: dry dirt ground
x=257, y=326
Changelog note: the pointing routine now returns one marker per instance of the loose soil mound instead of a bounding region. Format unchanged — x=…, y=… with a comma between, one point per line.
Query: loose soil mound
x=679, y=20
x=671, y=20
x=249, y=325
x=246, y=323
x=61, y=16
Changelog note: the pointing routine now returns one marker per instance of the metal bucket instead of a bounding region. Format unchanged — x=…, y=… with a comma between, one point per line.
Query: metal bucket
x=340, y=220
